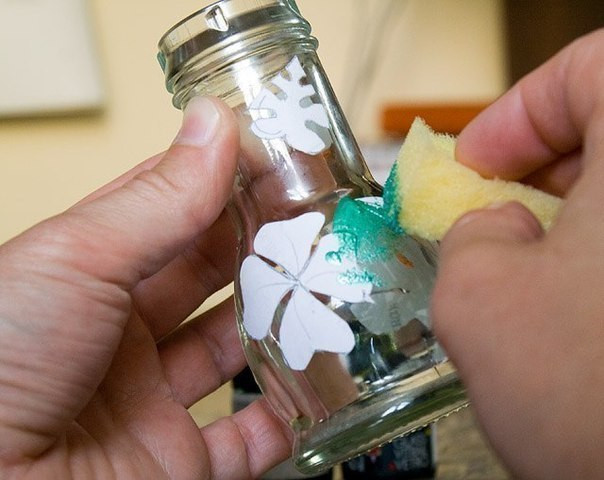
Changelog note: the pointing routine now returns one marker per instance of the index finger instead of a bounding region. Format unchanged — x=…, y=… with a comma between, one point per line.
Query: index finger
x=543, y=118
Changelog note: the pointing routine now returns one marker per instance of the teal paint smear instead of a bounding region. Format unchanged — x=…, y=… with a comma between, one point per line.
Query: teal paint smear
x=392, y=202
x=353, y=277
x=369, y=234
x=365, y=232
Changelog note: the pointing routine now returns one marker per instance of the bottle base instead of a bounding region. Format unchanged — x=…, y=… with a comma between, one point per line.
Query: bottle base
x=398, y=409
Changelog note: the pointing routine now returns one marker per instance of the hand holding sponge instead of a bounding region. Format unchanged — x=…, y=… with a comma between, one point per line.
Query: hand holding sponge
x=431, y=190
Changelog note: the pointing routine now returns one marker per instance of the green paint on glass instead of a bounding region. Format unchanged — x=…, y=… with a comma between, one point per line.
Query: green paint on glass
x=364, y=230
x=360, y=276
x=392, y=201
x=369, y=234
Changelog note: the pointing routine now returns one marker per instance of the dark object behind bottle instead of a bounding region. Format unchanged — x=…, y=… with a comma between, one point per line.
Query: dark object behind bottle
x=409, y=457
x=245, y=391
x=537, y=30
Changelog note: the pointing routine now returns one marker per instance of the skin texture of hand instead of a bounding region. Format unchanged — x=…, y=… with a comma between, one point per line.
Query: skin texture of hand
x=520, y=312
x=95, y=376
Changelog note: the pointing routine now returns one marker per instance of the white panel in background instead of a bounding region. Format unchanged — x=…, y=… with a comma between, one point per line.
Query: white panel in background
x=48, y=58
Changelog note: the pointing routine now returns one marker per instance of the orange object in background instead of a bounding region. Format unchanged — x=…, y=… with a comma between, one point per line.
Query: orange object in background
x=448, y=117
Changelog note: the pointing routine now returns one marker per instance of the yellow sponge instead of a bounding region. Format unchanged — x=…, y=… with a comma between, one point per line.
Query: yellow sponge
x=433, y=190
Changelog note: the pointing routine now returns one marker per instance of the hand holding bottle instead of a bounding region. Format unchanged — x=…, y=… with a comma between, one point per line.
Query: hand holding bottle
x=95, y=379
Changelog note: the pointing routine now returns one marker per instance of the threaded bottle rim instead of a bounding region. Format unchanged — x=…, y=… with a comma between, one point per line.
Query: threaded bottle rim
x=225, y=30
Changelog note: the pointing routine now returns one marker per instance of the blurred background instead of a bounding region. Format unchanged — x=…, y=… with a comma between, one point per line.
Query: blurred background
x=93, y=103
x=82, y=97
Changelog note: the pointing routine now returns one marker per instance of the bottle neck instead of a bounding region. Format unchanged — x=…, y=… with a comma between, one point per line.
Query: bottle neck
x=237, y=78
x=296, y=146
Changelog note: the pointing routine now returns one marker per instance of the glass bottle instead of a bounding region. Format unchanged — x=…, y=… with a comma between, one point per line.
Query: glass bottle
x=331, y=297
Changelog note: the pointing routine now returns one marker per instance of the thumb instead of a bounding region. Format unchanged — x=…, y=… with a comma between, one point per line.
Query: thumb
x=133, y=231
x=481, y=256
x=508, y=223
x=478, y=256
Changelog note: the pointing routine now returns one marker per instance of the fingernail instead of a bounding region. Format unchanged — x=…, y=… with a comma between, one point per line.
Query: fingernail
x=497, y=205
x=472, y=215
x=468, y=217
x=200, y=122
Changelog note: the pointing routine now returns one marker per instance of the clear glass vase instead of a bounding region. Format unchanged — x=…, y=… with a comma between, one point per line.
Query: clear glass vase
x=332, y=298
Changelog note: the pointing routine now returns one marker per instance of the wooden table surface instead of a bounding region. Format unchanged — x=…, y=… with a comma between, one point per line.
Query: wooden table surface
x=462, y=452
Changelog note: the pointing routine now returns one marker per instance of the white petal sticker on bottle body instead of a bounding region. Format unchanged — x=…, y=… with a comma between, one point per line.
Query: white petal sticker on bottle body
x=262, y=289
x=309, y=326
x=288, y=243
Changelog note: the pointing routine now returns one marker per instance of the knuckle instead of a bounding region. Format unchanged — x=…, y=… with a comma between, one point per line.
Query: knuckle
x=170, y=194
x=154, y=183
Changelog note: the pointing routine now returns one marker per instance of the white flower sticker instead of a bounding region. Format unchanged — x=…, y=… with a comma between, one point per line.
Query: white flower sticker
x=290, y=117
x=307, y=325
